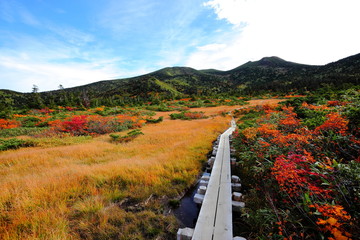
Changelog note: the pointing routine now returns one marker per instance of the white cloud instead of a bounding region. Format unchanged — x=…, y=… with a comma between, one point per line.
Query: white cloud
x=232, y=11
x=305, y=31
x=212, y=47
x=50, y=62
x=69, y=67
x=48, y=76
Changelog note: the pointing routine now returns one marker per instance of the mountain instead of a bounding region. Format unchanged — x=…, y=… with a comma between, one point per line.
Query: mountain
x=277, y=75
x=173, y=80
x=269, y=74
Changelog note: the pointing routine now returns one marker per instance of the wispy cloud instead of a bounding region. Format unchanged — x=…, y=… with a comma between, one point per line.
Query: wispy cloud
x=162, y=33
x=12, y=11
x=6, y=11
x=70, y=34
x=27, y=17
x=126, y=17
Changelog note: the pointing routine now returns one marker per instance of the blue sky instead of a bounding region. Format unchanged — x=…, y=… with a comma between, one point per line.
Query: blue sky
x=51, y=42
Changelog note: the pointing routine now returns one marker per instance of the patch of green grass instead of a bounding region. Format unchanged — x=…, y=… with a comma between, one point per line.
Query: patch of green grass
x=167, y=87
x=63, y=141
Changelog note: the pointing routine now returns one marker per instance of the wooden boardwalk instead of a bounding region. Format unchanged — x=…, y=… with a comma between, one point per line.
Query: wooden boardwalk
x=215, y=217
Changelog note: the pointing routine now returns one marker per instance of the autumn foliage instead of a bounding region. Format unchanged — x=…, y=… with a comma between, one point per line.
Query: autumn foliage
x=332, y=220
x=302, y=171
x=95, y=124
x=7, y=124
x=335, y=123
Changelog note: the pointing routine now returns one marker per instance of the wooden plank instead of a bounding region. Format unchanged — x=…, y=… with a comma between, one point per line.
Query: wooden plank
x=223, y=223
x=215, y=217
x=205, y=224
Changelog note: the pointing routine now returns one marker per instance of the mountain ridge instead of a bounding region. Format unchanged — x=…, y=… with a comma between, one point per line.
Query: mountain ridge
x=269, y=74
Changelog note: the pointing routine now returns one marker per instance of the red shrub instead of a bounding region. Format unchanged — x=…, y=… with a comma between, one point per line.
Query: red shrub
x=75, y=126
x=335, y=103
x=294, y=175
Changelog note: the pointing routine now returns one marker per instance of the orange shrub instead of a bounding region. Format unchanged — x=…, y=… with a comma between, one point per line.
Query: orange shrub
x=335, y=122
x=268, y=129
x=313, y=107
x=333, y=219
x=194, y=115
x=6, y=124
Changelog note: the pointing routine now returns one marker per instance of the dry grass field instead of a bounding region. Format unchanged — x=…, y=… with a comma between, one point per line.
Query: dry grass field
x=96, y=189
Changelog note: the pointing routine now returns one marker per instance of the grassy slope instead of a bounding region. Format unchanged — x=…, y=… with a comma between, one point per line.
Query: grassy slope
x=167, y=87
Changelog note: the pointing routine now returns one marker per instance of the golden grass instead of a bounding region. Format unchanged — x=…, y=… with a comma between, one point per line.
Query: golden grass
x=63, y=192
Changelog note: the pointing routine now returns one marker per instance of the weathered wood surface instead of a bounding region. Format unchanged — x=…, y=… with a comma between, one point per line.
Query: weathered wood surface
x=215, y=217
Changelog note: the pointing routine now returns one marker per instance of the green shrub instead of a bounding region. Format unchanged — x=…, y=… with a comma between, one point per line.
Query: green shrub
x=314, y=119
x=159, y=108
x=127, y=138
x=247, y=124
x=186, y=115
x=14, y=143
x=14, y=132
x=114, y=137
x=251, y=115
x=151, y=120
x=29, y=121
x=135, y=133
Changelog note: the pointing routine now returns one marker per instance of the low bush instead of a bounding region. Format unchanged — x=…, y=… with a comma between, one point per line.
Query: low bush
x=187, y=115
x=159, y=108
x=14, y=132
x=13, y=143
x=151, y=120
x=127, y=138
x=8, y=124
x=95, y=124
x=29, y=121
